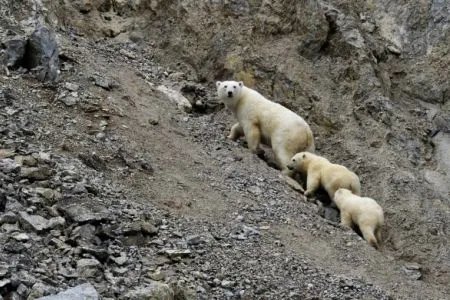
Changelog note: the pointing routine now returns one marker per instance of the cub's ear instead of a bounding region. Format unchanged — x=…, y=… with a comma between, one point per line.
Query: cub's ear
x=241, y=84
x=218, y=83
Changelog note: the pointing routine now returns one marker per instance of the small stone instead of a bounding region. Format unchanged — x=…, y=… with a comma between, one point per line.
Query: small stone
x=21, y=237
x=69, y=100
x=87, y=262
x=34, y=222
x=6, y=153
x=121, y=260
x=4, y=282
x=48, y=194
x=56, y=222
x=128, y=54
x=28, y=161
x=149, y=229
x=8, y=165
x=3, y=271
x=155, y=290
x=194, y=240
x=120, y=271
x=22, y=290
x=8, y=217
x=227, y=284
x=37, y=290
x=83, y=210
x=104, y=83
x=35, y=173
x=153, y=120
x=175, y=253
x=157, y=276
x=394, y=49
x=256, y=190
x=73, y=87
x=175, y=96
x=88, y=268
x=84, y=291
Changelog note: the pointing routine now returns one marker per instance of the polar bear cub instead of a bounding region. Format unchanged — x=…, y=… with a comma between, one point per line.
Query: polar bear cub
x=364, y=212
x=263, y=121
x=320, y=172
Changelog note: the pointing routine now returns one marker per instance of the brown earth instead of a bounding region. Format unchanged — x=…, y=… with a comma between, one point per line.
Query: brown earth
x=371, y=79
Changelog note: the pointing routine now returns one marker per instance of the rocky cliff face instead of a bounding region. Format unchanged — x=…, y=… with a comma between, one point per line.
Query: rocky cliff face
x=134, y=101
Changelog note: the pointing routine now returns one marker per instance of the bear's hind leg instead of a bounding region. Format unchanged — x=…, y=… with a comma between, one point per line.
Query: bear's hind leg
x=236, y=132
x=253, y=137
x=368, y=234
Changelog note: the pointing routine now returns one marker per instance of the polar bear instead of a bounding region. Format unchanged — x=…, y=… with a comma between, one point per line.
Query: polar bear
x=261, y=120
x=320, y=171
x=364, y=212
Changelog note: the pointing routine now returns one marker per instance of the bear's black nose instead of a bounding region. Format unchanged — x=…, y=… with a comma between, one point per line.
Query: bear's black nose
x=230, y=94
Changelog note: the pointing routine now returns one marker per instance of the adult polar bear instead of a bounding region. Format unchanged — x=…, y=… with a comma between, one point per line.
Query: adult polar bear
x=262, y=120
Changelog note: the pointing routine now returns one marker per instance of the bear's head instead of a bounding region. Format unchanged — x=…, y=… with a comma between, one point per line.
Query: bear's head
x=341, y=194
x=298, y=161
x=229, y=91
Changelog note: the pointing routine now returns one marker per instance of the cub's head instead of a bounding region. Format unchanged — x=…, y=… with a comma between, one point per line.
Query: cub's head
x=298, y=161
x=229, y=91
x=341, y=194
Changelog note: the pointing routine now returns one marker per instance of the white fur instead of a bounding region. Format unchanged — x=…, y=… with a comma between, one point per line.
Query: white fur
x=262, y=120
x=320, y=172
x=362, y=211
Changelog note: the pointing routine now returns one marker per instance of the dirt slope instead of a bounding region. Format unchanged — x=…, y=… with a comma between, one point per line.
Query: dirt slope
x=375, y=104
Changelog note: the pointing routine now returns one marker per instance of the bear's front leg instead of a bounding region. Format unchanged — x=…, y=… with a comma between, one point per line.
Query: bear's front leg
x=346, y=220
x=236, y=132
x=312, y=184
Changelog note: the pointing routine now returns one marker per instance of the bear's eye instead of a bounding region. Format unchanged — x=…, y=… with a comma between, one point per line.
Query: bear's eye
x=234, y=87
x=293, y=159
x=225, y=86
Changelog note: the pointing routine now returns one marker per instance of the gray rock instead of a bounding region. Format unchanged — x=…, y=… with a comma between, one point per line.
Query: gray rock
x=73, y=87
x=15, y=50
x=6, y=153
x=194, y=240
x=84, y=291
x=22, y=290
x=156, y=291
x=8, y=165
x=83, y=210
x=227, y=284
x=36, y=173
x=21, y=237
x=4, y=283
x=105, y=83
x=3, y=271
x=71, y=99
x=8, y=217
x=88, y=268
x=56, y=222
x=34, y=222
x=42, y=51
x=121, y=260
x=177, y=253
x=243, y=232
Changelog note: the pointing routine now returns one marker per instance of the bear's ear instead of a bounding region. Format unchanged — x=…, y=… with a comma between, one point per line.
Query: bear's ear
x=241, y=84
x=218, y=83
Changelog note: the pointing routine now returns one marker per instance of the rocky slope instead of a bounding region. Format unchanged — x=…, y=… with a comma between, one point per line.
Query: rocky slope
x=115, y=171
